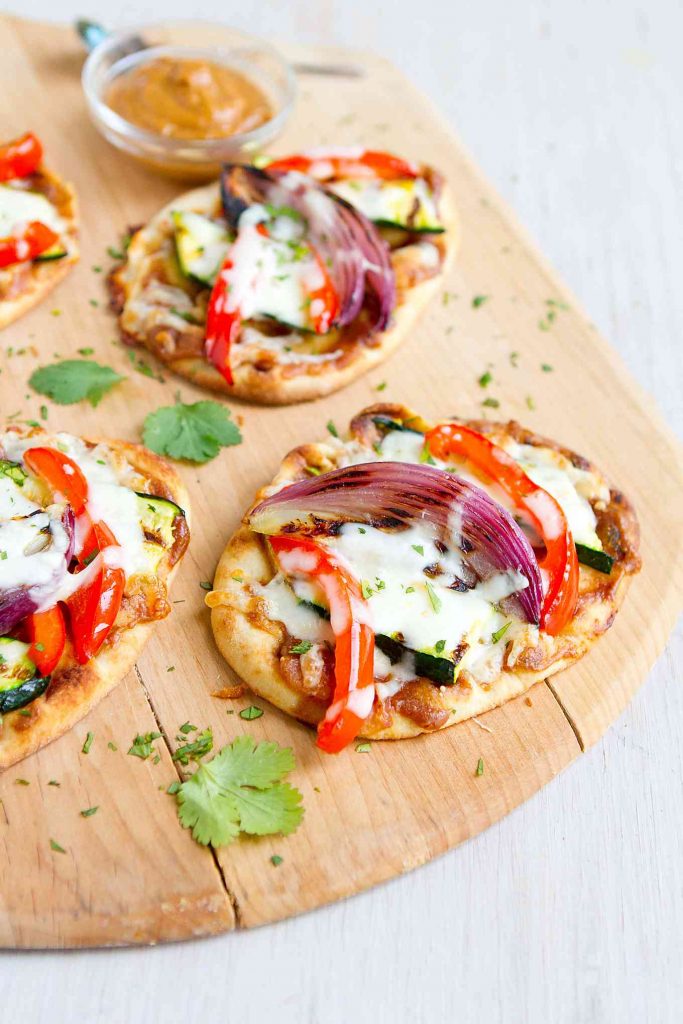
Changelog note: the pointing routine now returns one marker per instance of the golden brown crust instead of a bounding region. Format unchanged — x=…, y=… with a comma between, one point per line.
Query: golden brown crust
x=260, y=377
x=75, y=689
x=24, y=285
x=258, y=648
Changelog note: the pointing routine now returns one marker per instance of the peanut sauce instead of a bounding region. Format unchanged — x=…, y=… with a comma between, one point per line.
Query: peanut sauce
x=185, y=98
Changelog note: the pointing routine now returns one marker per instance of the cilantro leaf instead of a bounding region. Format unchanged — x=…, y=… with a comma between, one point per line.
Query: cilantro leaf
x=241, y=790
x=195, y=432
x=74, y=380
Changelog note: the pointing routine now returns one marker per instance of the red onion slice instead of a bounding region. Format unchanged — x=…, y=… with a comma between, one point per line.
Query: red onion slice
x=348, y=243
x=15, y=605
x=392, y=495
x=18, y=602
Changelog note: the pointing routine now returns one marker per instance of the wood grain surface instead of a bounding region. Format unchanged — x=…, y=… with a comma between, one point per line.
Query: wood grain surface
x=130, y=874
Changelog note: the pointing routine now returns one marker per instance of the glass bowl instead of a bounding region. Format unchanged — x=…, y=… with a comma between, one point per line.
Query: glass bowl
x=193, y=159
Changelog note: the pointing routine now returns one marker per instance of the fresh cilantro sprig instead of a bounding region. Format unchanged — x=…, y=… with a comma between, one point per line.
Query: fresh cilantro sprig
x=194, y=432
x=73, y=380
x=241, y=790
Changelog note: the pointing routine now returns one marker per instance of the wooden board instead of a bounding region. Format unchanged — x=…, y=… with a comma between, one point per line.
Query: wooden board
x=130, y=873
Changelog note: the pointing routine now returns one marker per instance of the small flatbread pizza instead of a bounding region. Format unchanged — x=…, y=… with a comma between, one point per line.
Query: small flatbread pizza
x=91, y=533
x=284, y=283
x=412, y=576
x=38, y=228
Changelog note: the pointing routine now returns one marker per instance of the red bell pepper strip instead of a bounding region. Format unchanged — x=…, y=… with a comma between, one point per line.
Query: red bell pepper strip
x=47, y=636
x=559, y=564
x=324, y=301
x=61, y=474
x=34, y=239
x=20, y=157
x=93, y=609
x=223, y=325
x=97, y=537
x=355, y=639
x=94, y=606
x=368, y=163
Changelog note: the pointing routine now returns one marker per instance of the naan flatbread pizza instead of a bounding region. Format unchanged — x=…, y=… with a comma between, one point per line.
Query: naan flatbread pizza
x=38, y=228
x=91, y=533
x=284, y=283
x=411, y=576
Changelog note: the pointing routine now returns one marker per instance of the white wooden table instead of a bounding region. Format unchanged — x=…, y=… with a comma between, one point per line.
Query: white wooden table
x=571, y=909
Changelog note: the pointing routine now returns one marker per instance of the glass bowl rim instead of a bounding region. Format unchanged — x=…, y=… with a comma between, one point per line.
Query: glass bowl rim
x=199, y=147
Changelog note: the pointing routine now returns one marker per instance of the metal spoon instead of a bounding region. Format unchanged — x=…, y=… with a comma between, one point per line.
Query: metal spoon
x=91, y=34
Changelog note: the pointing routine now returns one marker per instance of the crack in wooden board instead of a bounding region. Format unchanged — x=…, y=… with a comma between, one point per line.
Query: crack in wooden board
x=368, y=816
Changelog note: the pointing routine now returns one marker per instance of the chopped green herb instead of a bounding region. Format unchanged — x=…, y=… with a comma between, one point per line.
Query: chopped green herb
x=381, y=386
x=363, y=748
x=250, y=713
x=112, y=746
x=173, y=788
x=419, y=548
x=86, y=351
x=142, y=745
x=332, y=429
x=365, y=589
x=491, y=403
x=43, y=412
x=89, y=811
x=187, y=727
x=479, y=300
x=480, y=767
x=530, y=402
x=276, y=860
x=514, y=357
x=301, y=647
x=547, y=368
x=88, y=743
x=500, y=633
x=439, y=646
x=53, y=782
x=485, y=379
x=195, y=750
x=206, y=584
x=426, y=456
x=21, y=782
x=434, y=598
x=54, y=845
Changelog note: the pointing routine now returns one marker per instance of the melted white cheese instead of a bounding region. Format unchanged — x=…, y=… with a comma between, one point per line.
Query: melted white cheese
x=570, y=487
x=18, y=207
x=108, y=500
x=272, y=275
